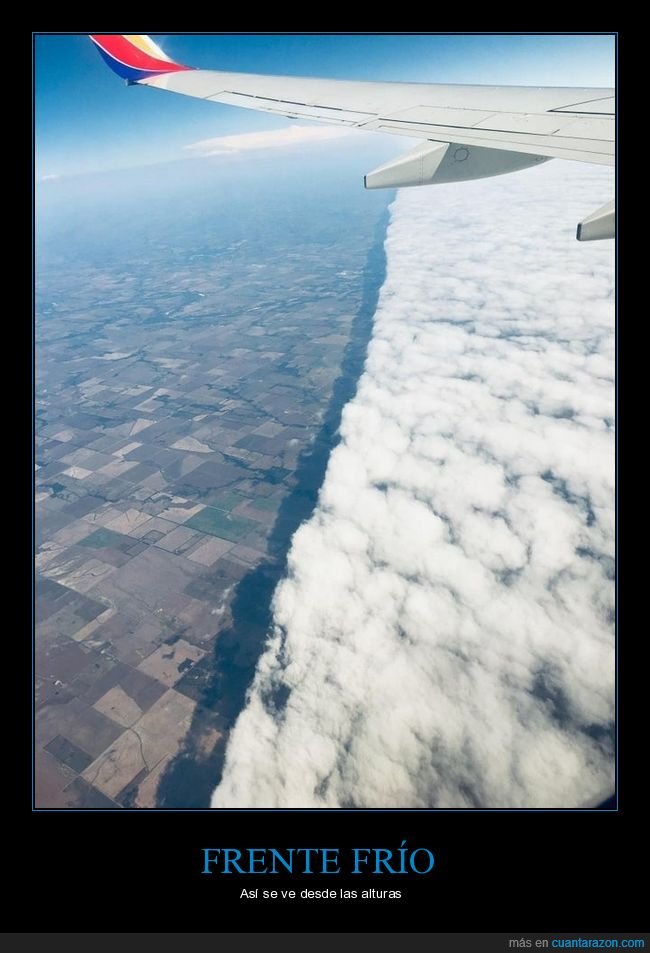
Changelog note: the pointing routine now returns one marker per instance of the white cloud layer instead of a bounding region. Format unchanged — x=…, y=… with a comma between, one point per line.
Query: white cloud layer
x=266, y=139
x=444, y=637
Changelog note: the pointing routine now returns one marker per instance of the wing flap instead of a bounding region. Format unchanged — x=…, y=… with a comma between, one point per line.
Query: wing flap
x=600, y=224
x=598, y=151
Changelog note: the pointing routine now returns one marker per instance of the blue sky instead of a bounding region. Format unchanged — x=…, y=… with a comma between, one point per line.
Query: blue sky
x=88, y=120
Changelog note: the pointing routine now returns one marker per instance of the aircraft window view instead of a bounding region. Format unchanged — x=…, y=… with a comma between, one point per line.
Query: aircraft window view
x=324, y=421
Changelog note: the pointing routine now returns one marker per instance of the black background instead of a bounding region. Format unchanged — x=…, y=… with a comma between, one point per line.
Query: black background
x=495, y=871
x=518, y=872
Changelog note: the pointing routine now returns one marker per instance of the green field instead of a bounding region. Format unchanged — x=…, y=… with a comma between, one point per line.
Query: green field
x=227, y=500
x=266, y=503
x=218, y=523
x=106, y=539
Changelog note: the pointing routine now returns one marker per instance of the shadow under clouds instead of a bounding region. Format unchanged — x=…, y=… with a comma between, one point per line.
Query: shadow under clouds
x=192, y=775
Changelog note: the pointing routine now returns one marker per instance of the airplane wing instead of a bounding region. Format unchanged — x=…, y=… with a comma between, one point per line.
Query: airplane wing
x=468, y=132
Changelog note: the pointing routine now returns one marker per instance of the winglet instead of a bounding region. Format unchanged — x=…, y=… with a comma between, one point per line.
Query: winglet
x=134, y=57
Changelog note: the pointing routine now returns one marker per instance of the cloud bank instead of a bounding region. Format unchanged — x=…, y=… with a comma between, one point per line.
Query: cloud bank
x=266, y=139
x=444, y=637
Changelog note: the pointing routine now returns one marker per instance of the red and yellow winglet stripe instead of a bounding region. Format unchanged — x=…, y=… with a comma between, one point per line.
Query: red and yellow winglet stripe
x=134, y=56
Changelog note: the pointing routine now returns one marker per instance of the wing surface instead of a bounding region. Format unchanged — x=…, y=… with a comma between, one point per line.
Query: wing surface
x=472, y=131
